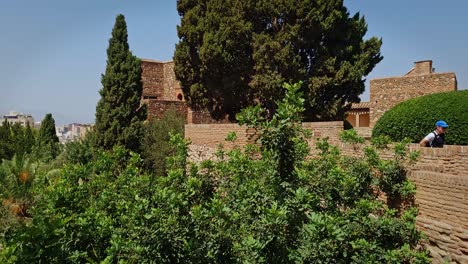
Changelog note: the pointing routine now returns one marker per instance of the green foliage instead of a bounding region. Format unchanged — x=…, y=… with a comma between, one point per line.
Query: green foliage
x=156, y=147
x=381, y=142
x=47, y=143
x=119, y=115
x=81, y=151
x=232, y=54
x=350, y=136
x=16, y=180
x=248, y=206
x=15, y=140
x=416, y=118
x=6, y=146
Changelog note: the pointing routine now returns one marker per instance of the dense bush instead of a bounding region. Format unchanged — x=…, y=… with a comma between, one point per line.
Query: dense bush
x=415, y=118
x=155, y=146
x=267, y=204
x=15, y=140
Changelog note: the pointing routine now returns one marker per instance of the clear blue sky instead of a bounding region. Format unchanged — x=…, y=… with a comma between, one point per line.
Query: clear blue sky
x=53, y=52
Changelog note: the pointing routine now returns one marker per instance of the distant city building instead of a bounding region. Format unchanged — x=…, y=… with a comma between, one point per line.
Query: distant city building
x=14, y=117
x=72, y=132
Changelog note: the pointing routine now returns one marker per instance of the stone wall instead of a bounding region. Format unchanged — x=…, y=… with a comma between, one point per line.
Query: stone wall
x=388, y=92
x=204, y=117
x=172, y=89
x=441, y=179
x=440, y=175
x=157, y=108
x=152, y=76
x=211, y=135
x=205, y=138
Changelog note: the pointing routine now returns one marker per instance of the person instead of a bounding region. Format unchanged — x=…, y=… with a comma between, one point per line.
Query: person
x=436, y=138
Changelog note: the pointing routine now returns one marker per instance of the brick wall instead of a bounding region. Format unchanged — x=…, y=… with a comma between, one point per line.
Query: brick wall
x=441, y=179
x=421, y=67
x=440, y=175
x=204, y=117
x=171, y=85
x=210, y=135
x=388, y=92
x=152, y=76
x=206, y=137
x=157, y=108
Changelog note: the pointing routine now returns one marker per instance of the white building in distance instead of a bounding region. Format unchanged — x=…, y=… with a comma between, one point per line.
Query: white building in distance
x=14, y=117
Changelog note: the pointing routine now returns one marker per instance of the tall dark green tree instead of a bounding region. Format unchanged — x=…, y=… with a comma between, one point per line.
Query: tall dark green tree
x=7, y=149
x=233, y=53
x=47, y=142
x=28, y=139
x=15, y=139
x=119, y=115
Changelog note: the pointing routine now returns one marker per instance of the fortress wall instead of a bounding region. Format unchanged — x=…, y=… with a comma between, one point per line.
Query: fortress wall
x=205, y=138
x=440, y=176
x=157, y=108
x=152, y=76
x=172, y=86
x=388, y=92
x=211, y=135
x=441, y=179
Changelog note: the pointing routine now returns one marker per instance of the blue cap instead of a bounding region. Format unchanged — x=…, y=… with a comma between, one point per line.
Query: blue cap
x=441, y=123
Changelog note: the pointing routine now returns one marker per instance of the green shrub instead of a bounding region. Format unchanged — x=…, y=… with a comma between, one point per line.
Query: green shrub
x=156, y=147
x=262, y=204
x=415, y=118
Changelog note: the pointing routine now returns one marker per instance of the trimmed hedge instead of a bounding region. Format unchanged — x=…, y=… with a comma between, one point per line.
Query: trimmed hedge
x=416, y=118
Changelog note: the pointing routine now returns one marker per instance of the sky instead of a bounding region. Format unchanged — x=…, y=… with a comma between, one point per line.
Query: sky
x=53, y=52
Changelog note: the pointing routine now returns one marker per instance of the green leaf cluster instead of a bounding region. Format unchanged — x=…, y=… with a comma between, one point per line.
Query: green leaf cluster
x=15, y=139
x=416, y=118
x=232, y=54
x=119, y=115
x=155, y=145
x=266, y=203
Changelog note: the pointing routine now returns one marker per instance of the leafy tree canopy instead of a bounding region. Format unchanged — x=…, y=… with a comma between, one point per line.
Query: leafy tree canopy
x=248, y=206
x=234, y=53
x=119, y=115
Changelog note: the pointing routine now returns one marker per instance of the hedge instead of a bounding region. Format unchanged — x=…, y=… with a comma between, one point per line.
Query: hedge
x=416, y=118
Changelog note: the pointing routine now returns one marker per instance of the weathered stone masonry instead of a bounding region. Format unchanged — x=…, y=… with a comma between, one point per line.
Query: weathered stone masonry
x=385, y=93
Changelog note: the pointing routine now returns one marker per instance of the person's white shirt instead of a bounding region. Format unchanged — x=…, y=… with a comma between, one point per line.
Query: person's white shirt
x=430, y=137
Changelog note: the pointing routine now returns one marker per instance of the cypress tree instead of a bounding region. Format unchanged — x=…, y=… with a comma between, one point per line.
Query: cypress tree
x=28, y=139
x=119, y=115
x=236, y=53
x=6, y=142
x=47, y=142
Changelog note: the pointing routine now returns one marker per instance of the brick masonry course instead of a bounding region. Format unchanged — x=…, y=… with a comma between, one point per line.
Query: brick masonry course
x=440, y=176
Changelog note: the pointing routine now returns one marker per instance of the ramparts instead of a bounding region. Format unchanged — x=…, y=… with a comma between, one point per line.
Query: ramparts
x=440, y=175
x=385, y=93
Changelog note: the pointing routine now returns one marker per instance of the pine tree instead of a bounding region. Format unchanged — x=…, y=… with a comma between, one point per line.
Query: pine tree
x=119, y=115
x=47, y=142
x=235, y=53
